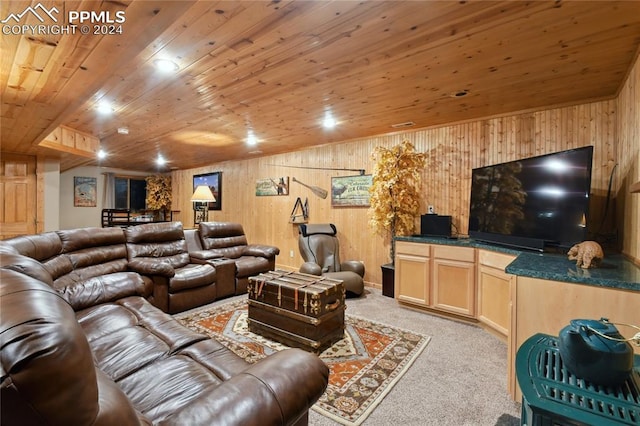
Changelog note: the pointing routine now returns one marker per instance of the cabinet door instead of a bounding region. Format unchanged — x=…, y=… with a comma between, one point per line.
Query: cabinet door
x=412, y=278
x=494, y=286
x=454, y=286
x=493, y=298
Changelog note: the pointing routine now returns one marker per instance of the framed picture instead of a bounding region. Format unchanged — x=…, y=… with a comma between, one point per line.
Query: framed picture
x=272, y=186
x=214, y=182
x=84, y=191
x=350, y=191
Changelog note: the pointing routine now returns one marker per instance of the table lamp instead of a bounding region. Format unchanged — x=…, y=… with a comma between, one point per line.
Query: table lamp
x=203, y=194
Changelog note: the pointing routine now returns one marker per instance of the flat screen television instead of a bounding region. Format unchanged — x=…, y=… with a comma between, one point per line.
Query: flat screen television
x=533, y=203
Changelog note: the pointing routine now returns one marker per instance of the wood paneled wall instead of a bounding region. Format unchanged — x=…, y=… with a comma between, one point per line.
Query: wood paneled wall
x=453, y=151
x=628, y=213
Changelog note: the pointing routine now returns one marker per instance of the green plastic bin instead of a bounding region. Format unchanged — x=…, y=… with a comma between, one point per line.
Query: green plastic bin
x=551, y=395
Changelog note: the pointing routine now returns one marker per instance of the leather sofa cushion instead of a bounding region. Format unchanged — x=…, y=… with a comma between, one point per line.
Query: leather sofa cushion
x=81, y=238
x=174, y=253
x=40, y=247
x=158, y=363
x=154, y=233
x=192, y=276
x=102, y=289
x=78, y=275
x=225, y=238
x=158, y=240
x=249, y=266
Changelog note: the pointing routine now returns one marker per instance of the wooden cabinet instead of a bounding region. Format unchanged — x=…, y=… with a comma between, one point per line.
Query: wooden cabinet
x=436, y=276
x=494, y=287
x=453, y=280
x=412, y=274
x=472, y=283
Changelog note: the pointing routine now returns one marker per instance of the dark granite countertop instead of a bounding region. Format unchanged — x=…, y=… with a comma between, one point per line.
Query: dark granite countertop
x=615, y=271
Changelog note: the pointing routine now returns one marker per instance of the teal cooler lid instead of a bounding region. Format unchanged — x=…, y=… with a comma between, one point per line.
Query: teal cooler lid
x=548, y=386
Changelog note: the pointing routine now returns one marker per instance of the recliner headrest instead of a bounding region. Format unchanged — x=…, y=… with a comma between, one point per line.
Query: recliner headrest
x=317, y=229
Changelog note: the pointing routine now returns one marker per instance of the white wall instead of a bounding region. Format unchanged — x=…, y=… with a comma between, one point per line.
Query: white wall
x=51, y=178
x=81, y=217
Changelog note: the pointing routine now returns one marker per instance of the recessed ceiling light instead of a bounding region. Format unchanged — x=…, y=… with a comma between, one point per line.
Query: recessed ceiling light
x=251, y=138
x=329, y=122
x=160, y=161
x=165, y=65
x=123, y=131
x=102, y=154
x=105, y=108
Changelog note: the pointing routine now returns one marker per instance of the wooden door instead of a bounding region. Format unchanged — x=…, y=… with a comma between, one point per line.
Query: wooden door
x=18, y=194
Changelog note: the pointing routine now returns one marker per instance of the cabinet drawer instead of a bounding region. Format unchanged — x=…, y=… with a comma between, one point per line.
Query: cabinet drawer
x=494, y=260
x=416, y=249
x=463, y=254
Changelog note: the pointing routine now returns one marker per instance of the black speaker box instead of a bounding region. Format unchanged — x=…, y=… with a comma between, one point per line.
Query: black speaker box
x=436, y=225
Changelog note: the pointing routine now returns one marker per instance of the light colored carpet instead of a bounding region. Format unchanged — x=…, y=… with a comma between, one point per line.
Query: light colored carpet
x=460, y=378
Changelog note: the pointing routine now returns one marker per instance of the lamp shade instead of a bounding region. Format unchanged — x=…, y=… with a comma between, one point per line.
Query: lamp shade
x=202, y=194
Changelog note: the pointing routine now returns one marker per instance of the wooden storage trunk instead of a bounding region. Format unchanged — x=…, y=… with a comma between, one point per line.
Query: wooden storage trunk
x=298, y=310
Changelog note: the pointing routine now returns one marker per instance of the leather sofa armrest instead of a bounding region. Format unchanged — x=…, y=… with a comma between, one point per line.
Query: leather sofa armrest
x=261, y=250
x=353, y=266
x=151, y=267
x=278, y=390
x=311, y=268
x=201, y=256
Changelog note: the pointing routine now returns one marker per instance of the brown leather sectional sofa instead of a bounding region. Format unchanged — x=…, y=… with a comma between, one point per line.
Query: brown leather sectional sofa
x=82, y=342
x=172, y=273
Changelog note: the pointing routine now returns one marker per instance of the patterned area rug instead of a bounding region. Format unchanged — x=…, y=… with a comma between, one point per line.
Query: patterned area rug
x=364, y=366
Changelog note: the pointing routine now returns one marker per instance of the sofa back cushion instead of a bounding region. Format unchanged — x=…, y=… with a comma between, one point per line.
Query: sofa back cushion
x=86, y=265
x=75, y=255
x=88, y=253
x=163, y=241
x=41, y=247
x=226, y=238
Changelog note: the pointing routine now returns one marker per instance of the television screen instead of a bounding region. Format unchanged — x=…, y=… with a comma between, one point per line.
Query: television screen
x=534, y=202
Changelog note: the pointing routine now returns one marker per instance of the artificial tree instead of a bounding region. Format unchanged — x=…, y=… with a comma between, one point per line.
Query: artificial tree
x=395, y=191
x=159, y=193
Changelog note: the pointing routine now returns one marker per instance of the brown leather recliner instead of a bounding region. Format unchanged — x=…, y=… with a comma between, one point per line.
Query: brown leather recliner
x=159, y=250
x=228, y=240
x=320, y=250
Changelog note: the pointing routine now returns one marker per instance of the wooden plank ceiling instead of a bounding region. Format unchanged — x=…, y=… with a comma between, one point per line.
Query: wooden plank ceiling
x=276, y=68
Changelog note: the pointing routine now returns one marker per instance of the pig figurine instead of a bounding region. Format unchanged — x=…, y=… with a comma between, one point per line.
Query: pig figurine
x=587, y=254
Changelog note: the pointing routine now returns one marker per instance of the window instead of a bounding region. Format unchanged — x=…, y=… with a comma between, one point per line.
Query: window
x=130, y=193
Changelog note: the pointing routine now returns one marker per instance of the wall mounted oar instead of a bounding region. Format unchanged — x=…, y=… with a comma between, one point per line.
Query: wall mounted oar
x=361, y=171
x=322, y=193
